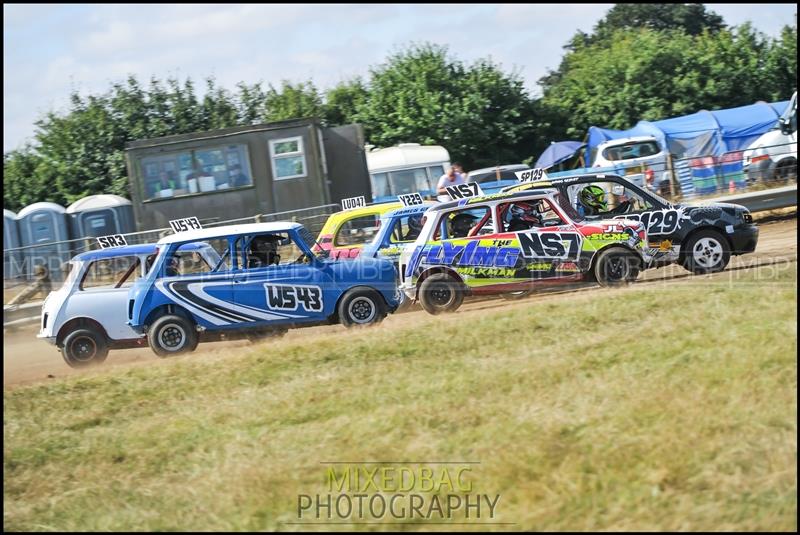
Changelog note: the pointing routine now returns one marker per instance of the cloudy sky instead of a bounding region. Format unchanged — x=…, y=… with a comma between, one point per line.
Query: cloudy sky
x=51, y=49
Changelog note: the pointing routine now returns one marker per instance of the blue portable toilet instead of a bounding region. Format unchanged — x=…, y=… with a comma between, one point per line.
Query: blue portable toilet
x=101, y=215
x=44, y=224
x=12, y=260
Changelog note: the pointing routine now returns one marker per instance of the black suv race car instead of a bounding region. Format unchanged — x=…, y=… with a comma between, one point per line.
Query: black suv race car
x=701, y=237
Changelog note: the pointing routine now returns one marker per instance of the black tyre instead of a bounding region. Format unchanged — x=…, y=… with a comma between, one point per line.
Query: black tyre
x=513, y=296
x=172, y=335
x=706, y=252
x=616, y=267
x=786, y=170
x=84, y=347
x=440, y=293
x=360, y=307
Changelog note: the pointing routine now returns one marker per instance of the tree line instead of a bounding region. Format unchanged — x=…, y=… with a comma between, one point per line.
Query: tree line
x=648, y=61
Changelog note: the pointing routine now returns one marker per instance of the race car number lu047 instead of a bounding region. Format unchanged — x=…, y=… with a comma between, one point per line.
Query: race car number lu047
x=353, y=202
x=114, y=240
x=410, y=199
x=464, y=191
x=187, y=223
x=280, y=297
x=658, y=222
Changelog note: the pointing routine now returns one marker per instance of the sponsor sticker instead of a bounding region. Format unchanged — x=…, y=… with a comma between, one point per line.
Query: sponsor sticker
x=187, y=223
x=113, y=240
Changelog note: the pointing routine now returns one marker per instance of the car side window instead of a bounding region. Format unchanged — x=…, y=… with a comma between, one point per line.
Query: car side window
x=110, y=273
x=357, y=231
x=606, y=198
x=406, y=229
x=268, y=249
x=469, y=222
x=187, y=260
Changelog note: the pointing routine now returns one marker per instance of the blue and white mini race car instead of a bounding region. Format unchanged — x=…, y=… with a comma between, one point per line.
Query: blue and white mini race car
x=86, y=316
x=267, y=280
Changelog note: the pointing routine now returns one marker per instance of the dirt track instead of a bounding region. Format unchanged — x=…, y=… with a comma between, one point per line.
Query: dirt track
x=26, y=359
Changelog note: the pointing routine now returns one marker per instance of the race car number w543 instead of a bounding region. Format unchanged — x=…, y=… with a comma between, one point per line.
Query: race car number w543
x=283, y=297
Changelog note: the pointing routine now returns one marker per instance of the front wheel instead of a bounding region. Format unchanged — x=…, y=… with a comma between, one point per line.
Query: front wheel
x=616, y=267
x=360, y=307
x=172, y=335
x=440, y=293
x=84, y=347
x=706, y=252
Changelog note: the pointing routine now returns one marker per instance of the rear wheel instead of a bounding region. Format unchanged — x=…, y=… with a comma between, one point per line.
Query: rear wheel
x=360, y=307
x=440, y=293
x=616, y=267
x=172, y=335
x=84, y=347
x=706, y=252
x=786, y=170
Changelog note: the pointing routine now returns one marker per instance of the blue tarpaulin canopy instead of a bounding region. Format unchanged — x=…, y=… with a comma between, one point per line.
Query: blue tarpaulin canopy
x=558, y=152
x=703, y=133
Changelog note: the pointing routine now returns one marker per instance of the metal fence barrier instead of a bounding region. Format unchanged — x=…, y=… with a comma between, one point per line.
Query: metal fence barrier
x=53, y=255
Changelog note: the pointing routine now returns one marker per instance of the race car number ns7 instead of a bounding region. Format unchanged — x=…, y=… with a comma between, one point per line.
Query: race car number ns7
x=464, y=191
x=187, y=223
x=284, y=297
x=549, y=244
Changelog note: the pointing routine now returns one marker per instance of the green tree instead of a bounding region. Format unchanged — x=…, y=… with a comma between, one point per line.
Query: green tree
x=692, y=19
x=21, y=185
x=292, y=101
x=343, y=101
x=479, y=113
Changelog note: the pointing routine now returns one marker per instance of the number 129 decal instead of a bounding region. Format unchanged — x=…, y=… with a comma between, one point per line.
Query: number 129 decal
x=283, y=297
x=658, y=222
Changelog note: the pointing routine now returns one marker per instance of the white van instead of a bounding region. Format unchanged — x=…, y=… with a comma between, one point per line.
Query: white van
x=773, y=156
x=406, y=168
x=640, y=159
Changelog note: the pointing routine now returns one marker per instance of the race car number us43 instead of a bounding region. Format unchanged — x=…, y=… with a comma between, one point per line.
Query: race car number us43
x=284, y=297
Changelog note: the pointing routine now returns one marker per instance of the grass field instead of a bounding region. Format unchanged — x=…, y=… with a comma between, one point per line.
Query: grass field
x=661, y=407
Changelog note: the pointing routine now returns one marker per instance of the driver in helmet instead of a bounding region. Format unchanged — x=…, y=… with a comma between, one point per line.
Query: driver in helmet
x=592, y=202
x=460, y=225
x=523, y=216
x=414, y=227
x=263, y=251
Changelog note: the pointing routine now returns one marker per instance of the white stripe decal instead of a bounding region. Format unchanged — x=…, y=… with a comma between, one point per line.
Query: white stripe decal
x=189, y=305
x=198, y=289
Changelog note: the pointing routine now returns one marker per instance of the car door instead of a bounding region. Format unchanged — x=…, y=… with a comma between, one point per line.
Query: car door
x=102, y=295
x=550, y=246
x=294, y=289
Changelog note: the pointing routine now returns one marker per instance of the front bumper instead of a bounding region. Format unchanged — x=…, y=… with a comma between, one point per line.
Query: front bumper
x=744, y=239
x=47, y=338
